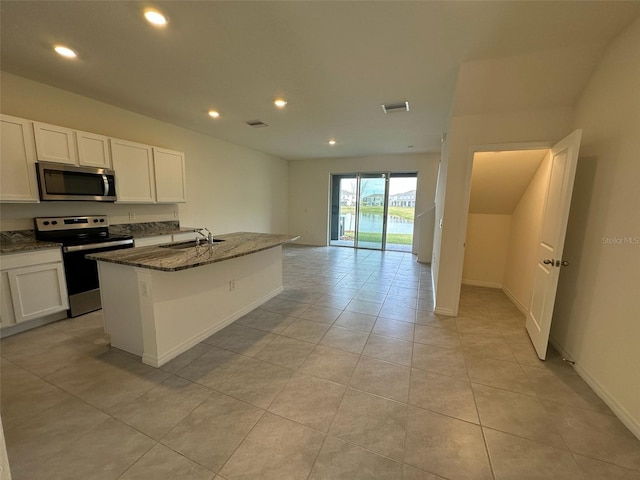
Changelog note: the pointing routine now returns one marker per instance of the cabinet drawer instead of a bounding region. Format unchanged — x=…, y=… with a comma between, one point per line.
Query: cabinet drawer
x=34, y=257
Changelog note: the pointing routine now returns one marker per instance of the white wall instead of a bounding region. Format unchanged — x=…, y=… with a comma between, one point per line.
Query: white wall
x=526, y=222
x=486, y=248
x=466, y=132
x=597, y=316
x=229, y=187
x=309, y=188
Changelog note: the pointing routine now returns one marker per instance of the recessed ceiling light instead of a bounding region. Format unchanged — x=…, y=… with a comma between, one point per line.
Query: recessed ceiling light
x=332, y=142
x=65, y=51
x=280, y=102
x=213, y=114
x=155, y=17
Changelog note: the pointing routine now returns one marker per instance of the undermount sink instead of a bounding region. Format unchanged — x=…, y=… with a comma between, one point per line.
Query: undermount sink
x=187, y=244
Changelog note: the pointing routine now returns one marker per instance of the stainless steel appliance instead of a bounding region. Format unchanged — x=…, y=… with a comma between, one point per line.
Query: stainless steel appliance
x=57, y=181
x=80, y=236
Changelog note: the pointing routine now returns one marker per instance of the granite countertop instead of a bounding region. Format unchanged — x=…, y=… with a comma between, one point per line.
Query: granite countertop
x=23, y=241
x=7, y=246
x=171, y=260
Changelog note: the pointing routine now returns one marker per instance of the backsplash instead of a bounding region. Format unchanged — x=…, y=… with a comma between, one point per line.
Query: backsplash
x=19, y=216
x=146, y=228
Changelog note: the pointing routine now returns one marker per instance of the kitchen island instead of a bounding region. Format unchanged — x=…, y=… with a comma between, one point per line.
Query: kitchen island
x=161, y=300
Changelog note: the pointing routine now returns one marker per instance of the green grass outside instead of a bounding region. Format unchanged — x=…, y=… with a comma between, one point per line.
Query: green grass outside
x=394, y=238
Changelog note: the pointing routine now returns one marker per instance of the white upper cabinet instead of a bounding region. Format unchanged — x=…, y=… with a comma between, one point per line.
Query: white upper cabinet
x=18, y=181
x=55, y=144
x=133, y=164
x=93, y=150
x=171, y=184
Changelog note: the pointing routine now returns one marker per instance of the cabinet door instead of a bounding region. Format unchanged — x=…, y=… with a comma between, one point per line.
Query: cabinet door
x=93, y=150
x=133, y=163
x=18, y=181
x=55, y=144
x=38, y=291
x=169, y=176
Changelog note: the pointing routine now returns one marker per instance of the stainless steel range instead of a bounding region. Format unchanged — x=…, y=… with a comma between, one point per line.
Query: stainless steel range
x=80, y=236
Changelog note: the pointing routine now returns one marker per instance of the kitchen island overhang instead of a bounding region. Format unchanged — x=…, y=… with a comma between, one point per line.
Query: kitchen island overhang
x=159, y=302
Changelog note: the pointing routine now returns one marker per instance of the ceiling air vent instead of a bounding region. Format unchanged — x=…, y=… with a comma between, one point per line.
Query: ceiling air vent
x=257, y=124
x=395, y=107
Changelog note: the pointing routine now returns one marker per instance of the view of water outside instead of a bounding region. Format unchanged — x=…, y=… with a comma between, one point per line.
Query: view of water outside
x=401, y=211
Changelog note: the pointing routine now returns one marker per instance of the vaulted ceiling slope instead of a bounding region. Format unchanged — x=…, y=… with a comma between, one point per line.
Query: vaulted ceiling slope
x=335, y=63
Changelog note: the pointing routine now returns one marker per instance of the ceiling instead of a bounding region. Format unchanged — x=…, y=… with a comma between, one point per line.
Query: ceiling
x=499, y=179
x=335, y=62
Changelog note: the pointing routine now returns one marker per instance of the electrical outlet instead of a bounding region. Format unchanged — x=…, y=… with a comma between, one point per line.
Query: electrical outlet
x=132, y=215
x=144, y=289
x=232, y=285
x=175, y=214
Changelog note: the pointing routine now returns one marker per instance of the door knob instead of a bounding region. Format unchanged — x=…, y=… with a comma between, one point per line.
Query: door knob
x=565, y=263
x=546, y=261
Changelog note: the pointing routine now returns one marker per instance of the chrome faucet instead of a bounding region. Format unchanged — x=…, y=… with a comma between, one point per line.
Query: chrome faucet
x=208, y=236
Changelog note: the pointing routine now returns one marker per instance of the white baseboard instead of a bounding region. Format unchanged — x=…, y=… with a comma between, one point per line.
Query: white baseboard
x=157, y=361
x=481, y=283
x=622, y=413
x=515, y=301
x=8, y=330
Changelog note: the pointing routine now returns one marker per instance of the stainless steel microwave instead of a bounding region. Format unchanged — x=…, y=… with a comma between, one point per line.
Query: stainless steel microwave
x=57, y=181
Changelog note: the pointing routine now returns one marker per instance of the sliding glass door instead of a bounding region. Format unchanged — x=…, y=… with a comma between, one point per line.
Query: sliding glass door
x=344, y=195
x=373, y=210
x=401, y=210
x=372, y=206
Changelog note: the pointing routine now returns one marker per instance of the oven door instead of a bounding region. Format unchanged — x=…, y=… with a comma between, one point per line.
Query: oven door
x=82, y=275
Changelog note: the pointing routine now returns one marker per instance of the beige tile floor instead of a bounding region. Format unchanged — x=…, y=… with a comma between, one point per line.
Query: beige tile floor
x=346, y=375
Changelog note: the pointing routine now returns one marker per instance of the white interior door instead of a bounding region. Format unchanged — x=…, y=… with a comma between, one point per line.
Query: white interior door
x=564, y=157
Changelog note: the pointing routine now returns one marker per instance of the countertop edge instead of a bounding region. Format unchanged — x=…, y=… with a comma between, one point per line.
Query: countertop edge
x=148, y=264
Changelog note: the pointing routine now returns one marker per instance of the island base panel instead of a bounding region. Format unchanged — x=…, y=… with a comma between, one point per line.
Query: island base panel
x=159, y=315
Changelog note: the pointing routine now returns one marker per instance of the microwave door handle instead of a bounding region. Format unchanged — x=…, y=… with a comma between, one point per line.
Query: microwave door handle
x=105, y=181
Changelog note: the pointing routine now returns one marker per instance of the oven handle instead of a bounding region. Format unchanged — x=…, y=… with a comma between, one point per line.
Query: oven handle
x=105, y=181
x=96, y=246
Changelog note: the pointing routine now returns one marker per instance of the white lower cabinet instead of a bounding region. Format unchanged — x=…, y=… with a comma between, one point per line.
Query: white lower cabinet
x=32, y=286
